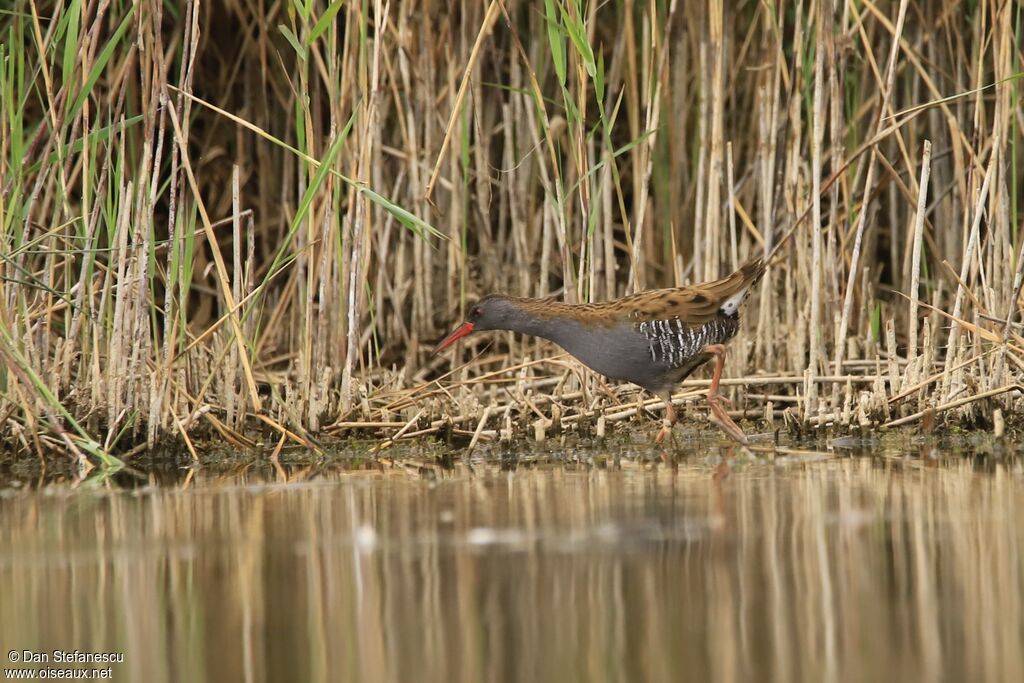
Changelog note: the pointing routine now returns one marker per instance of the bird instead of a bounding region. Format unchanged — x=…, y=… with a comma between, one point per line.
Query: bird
x=654, y=339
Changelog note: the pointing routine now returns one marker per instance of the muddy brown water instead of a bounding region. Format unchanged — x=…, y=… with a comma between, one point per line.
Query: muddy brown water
x=901, y=565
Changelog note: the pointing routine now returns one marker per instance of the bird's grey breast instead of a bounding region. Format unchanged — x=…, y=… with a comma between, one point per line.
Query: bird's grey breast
x=616, y=351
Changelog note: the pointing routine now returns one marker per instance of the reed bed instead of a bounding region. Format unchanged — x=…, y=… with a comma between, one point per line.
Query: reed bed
x=251, y=220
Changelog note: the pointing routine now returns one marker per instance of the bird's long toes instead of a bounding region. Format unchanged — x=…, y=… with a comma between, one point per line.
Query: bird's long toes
x=722, y=419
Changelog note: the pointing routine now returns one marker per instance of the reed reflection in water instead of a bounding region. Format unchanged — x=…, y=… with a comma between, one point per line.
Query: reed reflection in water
x=852, y=569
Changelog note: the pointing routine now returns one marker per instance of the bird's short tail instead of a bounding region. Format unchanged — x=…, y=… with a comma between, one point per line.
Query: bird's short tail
x=753, y=271
x=748, y=275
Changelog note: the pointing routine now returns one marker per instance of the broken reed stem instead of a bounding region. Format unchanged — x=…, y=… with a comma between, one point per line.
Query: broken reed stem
x=479, y=428
x=965, y=265
x=398, y=435
x=915, y=268
x=734, y=259
x=814, y=326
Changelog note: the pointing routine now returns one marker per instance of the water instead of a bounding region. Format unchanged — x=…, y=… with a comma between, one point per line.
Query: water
x=891, y=567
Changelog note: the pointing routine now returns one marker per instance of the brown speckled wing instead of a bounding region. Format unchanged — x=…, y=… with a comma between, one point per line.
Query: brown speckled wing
x=694, y=305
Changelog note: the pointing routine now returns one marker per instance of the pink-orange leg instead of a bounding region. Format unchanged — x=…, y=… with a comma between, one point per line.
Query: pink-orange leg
x=670, y=419
x=715, y=401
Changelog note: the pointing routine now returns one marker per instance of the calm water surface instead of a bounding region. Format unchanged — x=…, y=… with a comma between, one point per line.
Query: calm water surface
x=847, y=569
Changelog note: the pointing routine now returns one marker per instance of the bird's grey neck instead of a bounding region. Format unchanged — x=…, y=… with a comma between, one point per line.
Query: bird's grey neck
x=547, y=328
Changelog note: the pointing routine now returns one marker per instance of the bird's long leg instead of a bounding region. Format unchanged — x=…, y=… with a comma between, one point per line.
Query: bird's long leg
x=670, y=419
x=715, y=401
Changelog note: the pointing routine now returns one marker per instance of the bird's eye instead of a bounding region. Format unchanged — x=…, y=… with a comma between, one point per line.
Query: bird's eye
x=477, y=312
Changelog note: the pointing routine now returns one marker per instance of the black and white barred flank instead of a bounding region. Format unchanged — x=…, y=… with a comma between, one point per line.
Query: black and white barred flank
x=673, y=343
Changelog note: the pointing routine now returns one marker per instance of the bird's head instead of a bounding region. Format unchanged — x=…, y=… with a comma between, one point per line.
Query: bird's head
x=493, y=312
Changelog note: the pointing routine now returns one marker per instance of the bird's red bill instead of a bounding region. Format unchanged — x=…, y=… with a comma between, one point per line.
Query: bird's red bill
x=460, y=332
